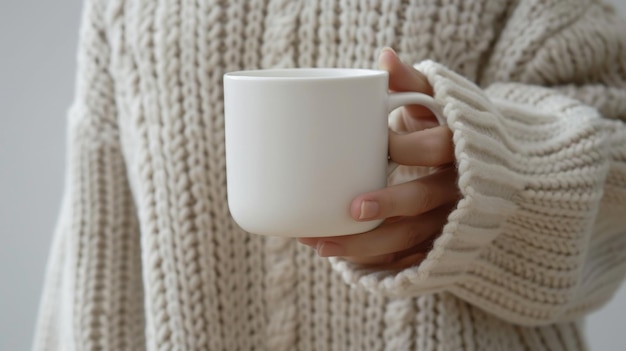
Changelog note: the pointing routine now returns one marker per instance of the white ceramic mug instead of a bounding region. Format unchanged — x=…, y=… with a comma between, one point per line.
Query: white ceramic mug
x=301, y=144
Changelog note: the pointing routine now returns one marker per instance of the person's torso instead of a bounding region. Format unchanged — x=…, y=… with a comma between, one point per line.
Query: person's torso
x=208, y=284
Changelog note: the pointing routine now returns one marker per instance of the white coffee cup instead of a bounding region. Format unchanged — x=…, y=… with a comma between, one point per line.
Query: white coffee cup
x=301, y=144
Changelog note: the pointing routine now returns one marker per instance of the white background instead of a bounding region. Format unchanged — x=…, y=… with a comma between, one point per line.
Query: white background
x=37, y=63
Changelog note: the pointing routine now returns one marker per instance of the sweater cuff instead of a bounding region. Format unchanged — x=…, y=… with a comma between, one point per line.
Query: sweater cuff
x=488, y=183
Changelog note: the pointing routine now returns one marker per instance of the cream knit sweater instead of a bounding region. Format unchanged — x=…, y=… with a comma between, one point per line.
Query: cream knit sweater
x=146, y=255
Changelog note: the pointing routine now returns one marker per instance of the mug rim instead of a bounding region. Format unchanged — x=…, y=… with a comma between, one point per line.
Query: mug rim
x=316, y=73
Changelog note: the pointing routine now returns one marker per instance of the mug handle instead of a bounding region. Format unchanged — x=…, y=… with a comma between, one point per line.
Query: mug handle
x=396, y=100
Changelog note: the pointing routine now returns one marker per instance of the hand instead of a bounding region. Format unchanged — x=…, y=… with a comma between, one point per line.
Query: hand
x=414, y=212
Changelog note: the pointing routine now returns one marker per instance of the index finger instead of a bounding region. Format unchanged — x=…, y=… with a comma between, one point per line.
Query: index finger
x=403, y=77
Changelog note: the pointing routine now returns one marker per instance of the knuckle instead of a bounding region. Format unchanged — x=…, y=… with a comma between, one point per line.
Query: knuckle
x=431, y=150
x=422, y=199
x=412, y=236
x=389, y=204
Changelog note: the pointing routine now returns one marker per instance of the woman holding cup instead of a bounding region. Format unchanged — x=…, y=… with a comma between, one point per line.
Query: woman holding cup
x=501, y=229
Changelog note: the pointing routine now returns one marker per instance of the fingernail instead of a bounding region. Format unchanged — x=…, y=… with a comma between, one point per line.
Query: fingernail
x=308, y=241
x=369, y=209
x=383, y=63
x=328, y=249
x=387, y=48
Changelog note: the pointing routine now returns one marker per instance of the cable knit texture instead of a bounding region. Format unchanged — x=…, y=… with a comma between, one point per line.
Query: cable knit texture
x=146, y=255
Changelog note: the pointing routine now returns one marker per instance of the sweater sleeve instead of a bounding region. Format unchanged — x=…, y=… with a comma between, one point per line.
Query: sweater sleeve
x=539, y=235
x=92, y=293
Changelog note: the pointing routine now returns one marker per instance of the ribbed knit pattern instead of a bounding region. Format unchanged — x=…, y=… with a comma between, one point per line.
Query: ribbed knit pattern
x=146, y=255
